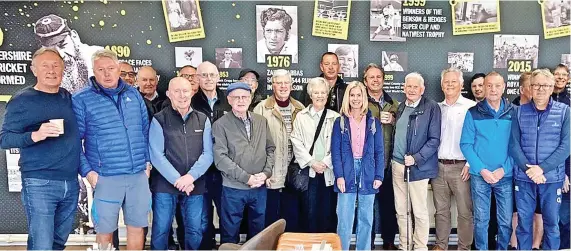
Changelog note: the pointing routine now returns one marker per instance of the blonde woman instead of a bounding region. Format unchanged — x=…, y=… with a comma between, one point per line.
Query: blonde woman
x=357, y=150
x=318, y=202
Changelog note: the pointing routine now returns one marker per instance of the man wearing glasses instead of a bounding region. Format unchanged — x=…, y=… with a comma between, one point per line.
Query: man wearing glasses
x=189, y=72
x=251, y=78
x=539, y=145
x=127, y=73
x=244, y=153
x=211, y=101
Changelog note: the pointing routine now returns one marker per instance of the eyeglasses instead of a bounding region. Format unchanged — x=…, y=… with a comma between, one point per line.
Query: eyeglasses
x=211, y=75
x=544, y=87
x=243, y=98
x=130, y=73
x=188, y=76
x=279, y=32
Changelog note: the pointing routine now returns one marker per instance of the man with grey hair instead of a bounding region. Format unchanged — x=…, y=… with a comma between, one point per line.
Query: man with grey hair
x=280, y=110
x=34, y=122
x=453, y=170
x=417, y=137
x=114, y=160
x=539, y=144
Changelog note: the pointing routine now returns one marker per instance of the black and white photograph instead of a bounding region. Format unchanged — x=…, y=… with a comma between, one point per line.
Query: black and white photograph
x=182, y=15
x=348, y=55
x=229, y=58
x=566, y=60
x=394, y=61
x=276, y=31
x=334, y=10
x=515, y=47
x=463, y=61
x=557, y=13
x=476, y=12
x=53, y=31
x=385, y=20
x=187, y=56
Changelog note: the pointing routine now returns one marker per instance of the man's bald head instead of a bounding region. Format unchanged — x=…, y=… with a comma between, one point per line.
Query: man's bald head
x=180, y=93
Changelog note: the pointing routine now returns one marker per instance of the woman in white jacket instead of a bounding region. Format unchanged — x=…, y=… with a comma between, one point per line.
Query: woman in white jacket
x=319, y=201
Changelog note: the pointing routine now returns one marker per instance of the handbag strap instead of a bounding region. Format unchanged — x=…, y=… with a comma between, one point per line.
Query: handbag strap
x=318, y=131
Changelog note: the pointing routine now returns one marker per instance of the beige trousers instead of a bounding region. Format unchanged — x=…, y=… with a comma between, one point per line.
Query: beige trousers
x=449, y=182
x=418, y=198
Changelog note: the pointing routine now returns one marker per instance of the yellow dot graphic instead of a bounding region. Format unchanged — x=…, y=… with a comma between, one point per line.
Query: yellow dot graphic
x=101, y=23
x=232, y=40
x=20, y=10
x=104, y=1
x=114, y=25
x=142, y=31
x=150, y=28
x=159, y=46
x=75, y=8
x=123, y=13
x=234, y=4
x=75, y=17
x=29, y=25
x=149, y=41
x=93, y=25
x=237, y=16
x=301, y=37
x=21, y=13
x=35, y=4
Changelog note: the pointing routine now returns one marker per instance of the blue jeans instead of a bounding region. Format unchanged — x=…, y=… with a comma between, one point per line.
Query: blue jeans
x=564, y=221
x=346, y=215
x=481, y=193
x=164, y=206
x=50, y=208
x=549, y=196
x=234, y=202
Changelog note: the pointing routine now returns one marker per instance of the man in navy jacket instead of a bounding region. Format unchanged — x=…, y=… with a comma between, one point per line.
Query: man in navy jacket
x=539, y=146
x=417, y=137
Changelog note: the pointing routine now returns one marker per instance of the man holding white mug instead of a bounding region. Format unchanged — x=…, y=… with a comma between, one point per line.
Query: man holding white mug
x=49, y=157
x=383, y=107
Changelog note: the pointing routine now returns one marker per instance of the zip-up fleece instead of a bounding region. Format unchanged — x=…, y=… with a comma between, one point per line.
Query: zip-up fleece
x=485, y=138
x=423, y=138
x=238, y=156
x=115, y=133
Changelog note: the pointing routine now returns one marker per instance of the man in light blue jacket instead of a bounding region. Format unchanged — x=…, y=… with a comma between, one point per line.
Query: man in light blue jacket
x=484, y=143
x=114, y=126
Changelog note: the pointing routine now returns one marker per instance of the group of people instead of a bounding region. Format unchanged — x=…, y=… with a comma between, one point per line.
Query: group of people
x=355, y=149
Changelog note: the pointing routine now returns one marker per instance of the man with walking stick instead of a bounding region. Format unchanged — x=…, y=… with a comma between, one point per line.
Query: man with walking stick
x=414, y=160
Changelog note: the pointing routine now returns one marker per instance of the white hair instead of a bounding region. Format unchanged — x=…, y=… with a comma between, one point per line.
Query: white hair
x=104, y=53
x=315, y=83
x=281, y=73
x=415, y=75
x=455, y=70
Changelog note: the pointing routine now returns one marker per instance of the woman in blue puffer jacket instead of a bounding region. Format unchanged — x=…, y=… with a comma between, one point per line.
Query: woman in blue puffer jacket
x=357, y=152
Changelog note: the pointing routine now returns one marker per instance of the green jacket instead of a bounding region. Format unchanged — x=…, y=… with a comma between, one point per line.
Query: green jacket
x=389, y=105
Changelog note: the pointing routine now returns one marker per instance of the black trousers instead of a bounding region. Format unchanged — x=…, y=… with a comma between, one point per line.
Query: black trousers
x=318, y=205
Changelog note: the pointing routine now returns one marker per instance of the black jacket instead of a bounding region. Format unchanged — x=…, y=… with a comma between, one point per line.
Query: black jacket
x=335, y=98
x=200, y=103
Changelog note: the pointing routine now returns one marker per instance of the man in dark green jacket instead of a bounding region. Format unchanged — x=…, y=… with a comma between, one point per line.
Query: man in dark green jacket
x=383, y=107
